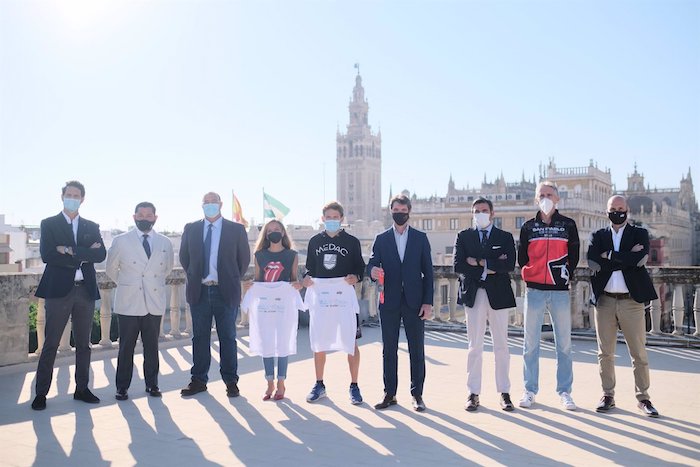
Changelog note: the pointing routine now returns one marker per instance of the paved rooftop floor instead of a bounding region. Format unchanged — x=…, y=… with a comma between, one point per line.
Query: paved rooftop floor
x=211, y=429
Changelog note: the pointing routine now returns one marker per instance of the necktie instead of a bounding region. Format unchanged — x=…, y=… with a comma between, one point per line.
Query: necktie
x=207, y=252
x=146, y=246
x=484, y=236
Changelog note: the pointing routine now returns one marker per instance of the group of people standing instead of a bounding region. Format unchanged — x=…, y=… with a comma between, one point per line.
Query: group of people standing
x=215, y=255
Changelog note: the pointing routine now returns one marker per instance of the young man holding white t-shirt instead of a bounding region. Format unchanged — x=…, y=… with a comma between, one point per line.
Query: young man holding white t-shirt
x=334, y=253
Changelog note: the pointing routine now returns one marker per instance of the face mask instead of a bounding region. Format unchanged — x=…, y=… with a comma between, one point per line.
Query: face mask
x=400, y=217
x=546, y=206
x=274, y=237
x=617, y=217
x=332, y=225
x=144, y=225
x=482, y=220
x=211, y=209
x=71, y=204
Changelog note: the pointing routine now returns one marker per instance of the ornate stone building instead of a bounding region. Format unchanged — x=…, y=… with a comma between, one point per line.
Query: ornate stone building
x=583, y=191
x=671, y=215
x=359, y=162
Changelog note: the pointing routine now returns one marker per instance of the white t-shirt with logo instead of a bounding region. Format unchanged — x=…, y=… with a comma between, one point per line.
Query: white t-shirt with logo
x=274, y=317
x=332, y=305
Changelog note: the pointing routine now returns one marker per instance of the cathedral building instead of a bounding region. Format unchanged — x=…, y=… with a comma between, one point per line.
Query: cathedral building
x=359, y=162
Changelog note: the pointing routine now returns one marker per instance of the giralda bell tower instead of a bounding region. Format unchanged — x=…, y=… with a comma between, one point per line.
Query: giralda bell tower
x=359, y=162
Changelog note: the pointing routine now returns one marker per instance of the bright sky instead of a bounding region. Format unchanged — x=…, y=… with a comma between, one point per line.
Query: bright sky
x=164, y=101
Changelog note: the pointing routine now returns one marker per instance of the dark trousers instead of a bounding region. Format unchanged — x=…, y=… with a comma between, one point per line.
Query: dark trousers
x=79, y=306
x=211, y=305
x=414, y=329
x=129, y=328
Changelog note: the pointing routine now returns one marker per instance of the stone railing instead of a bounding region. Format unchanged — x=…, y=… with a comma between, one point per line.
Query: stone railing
x=677, y=287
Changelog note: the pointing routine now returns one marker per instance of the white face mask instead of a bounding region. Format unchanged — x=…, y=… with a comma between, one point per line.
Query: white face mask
x=482, y=220
x=546, y=206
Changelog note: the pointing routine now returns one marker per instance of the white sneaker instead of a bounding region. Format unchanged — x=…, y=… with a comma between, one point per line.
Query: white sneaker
x=527, y=400
x=566, y=401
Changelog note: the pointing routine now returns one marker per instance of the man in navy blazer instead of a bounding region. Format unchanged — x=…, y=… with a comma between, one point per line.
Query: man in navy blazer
x=621, y=286
x=402, y=255
x=70, y=246
x=215, y=255
x=484, y=257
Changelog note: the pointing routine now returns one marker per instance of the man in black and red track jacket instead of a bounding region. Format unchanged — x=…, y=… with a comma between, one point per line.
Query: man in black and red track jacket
x=548, y=254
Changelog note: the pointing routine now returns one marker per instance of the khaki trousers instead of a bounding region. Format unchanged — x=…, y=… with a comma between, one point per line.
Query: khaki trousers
x=630, y=315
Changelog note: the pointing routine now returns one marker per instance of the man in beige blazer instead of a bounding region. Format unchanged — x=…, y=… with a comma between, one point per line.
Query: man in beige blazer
x=139, y=262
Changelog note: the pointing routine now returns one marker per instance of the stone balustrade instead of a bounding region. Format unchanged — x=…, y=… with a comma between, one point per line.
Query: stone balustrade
x=678, y=289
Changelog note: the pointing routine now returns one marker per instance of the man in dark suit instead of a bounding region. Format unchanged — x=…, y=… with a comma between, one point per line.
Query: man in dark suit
x=484, y=257
x=215, y=255
x=70, y=245
x=401, y=255
x=621, y=287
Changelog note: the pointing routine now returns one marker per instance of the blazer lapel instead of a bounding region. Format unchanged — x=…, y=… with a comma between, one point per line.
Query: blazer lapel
x=138, y=244
x=626, y=242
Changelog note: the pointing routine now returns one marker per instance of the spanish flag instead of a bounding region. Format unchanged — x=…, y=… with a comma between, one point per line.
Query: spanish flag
x=238, y=212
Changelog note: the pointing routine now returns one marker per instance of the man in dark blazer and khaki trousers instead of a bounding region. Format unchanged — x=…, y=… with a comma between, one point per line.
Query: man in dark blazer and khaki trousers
x=215, y=255
x=402, y=255
x=621, y=287
x=70, y=246
x=484, y=257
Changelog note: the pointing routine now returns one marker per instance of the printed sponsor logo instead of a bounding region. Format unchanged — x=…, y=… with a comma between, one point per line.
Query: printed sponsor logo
x=329, y=261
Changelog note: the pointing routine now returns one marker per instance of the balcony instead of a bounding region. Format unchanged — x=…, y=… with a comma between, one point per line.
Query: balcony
x=673, y=315
x=211, y=429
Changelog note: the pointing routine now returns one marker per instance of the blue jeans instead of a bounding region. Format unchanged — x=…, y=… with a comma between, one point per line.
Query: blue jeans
x=211, y=305
x=557, y=302
x=269, y=364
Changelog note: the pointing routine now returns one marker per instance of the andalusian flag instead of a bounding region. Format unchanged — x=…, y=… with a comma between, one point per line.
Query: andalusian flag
x=238, y=212
x=272, y=208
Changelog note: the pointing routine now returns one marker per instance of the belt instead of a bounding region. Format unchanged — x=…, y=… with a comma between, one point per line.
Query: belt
x=210, y=283
x=78, y=283
x=618, y=296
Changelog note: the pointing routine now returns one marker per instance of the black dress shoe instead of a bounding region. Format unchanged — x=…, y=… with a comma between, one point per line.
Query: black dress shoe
x=386, y=402
x=418, y=404
x=193, y=388
x=506, y=403
x=153, y=391
x=648, y=409
x=472, y=403
x=232, y=390
x=86, y=396
x=121, y=395
x=39, y=403
x=605, y=404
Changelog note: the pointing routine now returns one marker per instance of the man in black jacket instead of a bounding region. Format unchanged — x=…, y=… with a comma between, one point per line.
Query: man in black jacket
x=70, y=246
x=621, y=287
x=484, y=257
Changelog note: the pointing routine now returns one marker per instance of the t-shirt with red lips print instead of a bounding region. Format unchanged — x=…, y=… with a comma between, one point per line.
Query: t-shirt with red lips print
x=275, y=266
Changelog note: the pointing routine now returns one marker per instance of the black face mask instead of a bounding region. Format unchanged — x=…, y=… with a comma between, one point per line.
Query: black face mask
x=274, y=237
x=400, y=217
x=617, y=217
x=144, y=225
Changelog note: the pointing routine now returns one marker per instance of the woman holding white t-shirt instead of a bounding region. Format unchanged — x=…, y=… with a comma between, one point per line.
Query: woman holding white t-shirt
x=275, y=261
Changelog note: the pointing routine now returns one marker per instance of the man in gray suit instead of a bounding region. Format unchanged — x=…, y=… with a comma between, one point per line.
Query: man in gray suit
x=139, y=261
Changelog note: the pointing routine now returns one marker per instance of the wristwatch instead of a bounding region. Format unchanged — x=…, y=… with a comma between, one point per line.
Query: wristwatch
x=65, y=250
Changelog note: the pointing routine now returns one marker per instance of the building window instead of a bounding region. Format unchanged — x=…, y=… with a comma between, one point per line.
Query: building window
x=498, y=222
x=427, y=224
x=519, y=221
x=449, y=250
x=454, y=223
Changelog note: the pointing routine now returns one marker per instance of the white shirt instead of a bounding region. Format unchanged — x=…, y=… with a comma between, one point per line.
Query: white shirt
x=616, y=283
x=74, y=224
x=401, y=241
x=332, y=305
x=214, y=253
x=273, y=308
